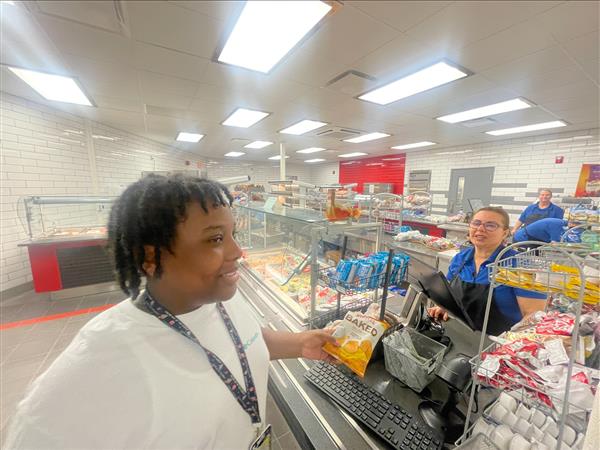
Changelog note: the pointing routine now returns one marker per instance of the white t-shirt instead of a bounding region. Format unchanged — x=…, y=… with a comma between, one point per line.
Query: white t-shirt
x=129, y=381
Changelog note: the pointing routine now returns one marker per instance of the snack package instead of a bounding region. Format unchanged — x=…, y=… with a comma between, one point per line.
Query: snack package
x=357, y=336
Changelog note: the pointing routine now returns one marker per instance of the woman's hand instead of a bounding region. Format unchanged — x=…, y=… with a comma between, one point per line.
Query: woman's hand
x=305, y=344
x=312, y=343
x=437, y=313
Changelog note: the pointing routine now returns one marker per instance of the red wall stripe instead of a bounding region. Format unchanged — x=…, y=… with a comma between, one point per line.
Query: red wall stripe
x=379, y=169
x=22, y=323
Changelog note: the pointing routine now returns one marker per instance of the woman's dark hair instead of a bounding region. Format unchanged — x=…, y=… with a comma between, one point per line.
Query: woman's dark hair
x=500, y=211
x=147, y=213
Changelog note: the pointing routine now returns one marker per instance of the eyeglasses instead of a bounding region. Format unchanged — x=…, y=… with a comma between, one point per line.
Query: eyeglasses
x=489, y=226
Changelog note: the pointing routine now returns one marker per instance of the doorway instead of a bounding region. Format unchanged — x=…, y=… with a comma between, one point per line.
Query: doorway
x=468, y=184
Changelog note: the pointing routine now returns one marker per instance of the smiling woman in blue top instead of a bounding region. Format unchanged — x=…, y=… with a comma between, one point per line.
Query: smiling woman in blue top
x=469, y=274
x=542, y=209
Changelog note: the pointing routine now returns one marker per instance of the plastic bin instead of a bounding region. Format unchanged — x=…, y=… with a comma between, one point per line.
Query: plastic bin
x=412, y=358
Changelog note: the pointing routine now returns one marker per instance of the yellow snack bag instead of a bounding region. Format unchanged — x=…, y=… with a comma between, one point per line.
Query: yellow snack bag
x=357, y=335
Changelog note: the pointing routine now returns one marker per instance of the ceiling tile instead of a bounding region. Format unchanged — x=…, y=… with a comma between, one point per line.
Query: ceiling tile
x=70, y=37
x=119, y=103
x=217, y=9
x=508, y=45
x=173, y=27
x=168, y=62
x=154, y=82
x=463, y=23
x=591, y=67
x=24, y=43
x=104, y=78
x=570, y=19
x=530, y=87
x=584, y=47
x=530, y=66
x=400, y=15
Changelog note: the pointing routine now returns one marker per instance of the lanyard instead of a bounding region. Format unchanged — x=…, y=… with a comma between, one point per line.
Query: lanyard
x=247, y=399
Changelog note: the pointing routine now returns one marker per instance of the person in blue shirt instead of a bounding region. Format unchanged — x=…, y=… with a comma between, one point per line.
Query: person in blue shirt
x=542, y=209
x=469, y=276
x=544, y=230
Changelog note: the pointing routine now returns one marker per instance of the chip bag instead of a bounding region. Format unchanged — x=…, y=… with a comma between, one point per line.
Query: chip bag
x=357, y=335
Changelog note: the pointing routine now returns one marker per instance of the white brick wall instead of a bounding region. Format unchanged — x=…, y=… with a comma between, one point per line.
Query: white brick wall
x=515, y=161
x=45, y=152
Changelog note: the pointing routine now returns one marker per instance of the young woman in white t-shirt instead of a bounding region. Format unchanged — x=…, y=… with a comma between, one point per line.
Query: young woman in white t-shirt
x=181, y=364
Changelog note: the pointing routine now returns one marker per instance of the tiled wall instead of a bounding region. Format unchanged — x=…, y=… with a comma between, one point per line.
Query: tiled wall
x=522, y=166
x=48, y=152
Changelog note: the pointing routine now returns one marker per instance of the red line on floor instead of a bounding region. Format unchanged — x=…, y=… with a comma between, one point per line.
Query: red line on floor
x=22, y=323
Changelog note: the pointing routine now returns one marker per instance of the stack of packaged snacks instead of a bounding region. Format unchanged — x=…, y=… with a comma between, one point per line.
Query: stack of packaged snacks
x=369, y=272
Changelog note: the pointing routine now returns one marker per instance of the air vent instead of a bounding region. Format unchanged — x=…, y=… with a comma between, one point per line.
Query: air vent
x=338, y=133
x=352, y=82
x=478, y=122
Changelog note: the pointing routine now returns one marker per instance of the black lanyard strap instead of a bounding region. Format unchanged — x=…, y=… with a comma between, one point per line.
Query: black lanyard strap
x=247, y=399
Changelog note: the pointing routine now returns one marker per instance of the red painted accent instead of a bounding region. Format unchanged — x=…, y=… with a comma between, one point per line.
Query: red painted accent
x=79, y=312
x=44, y=264
x=559, y=159
x=379, y=169
x=430, y=230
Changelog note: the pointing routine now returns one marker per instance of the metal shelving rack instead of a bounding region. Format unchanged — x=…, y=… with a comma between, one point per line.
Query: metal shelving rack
x=539, y=262
x=387, y=209
x=411, y=204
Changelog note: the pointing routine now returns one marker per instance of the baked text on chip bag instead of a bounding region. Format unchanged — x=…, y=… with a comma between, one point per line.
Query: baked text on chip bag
x=356, y=336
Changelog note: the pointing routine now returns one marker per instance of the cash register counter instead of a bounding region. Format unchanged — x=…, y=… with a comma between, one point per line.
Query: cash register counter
x=318, y=423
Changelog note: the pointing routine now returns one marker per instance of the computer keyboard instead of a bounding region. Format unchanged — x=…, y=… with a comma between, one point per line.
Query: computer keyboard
x=392, y=423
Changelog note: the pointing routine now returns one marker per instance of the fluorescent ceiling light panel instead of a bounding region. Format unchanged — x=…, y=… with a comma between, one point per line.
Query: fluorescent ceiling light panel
x=311, y=150
x=267, y=30
x=234, y=154
x=53, y=87
x=413, y=145
x=533, y=127
x=366, y=138
x=277, y=157
x=490, y=110
x=351, y=155
x=423, y=80
x=189, y=137
x=314, y=160
x=304, y=126
x=8, y=2
x=244, y=118
x=258, y=144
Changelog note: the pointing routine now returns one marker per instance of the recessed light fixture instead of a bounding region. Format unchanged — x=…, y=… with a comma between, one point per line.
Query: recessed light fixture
x=53, y=87
x=304, y=126
x=314, y=160
x=366, y=138
x=258, y=144
x=525, y=128
x=423, y=80
x=413, y=145
x=244, y=118
x=490, y=110
x=189, y=137
x=311, y=150
x=234, y=154
x=267, y=30
x=351, y=155
x=277, y=157
x=8, y=2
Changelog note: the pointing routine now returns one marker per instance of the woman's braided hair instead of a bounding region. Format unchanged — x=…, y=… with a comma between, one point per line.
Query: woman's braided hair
x=147, y=213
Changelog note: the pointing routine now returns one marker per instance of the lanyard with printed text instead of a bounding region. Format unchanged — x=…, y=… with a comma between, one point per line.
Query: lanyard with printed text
x=248, y=399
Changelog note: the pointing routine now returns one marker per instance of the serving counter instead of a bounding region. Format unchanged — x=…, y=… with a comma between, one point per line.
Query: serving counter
x=317, y=422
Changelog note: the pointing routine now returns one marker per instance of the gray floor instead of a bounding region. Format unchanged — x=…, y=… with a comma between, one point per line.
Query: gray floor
x=26, y=351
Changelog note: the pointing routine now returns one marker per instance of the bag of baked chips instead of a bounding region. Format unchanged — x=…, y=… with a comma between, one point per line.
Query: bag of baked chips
x=357, y=335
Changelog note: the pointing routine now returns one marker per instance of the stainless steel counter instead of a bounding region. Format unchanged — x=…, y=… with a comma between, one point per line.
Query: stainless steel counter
x=316, y=422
